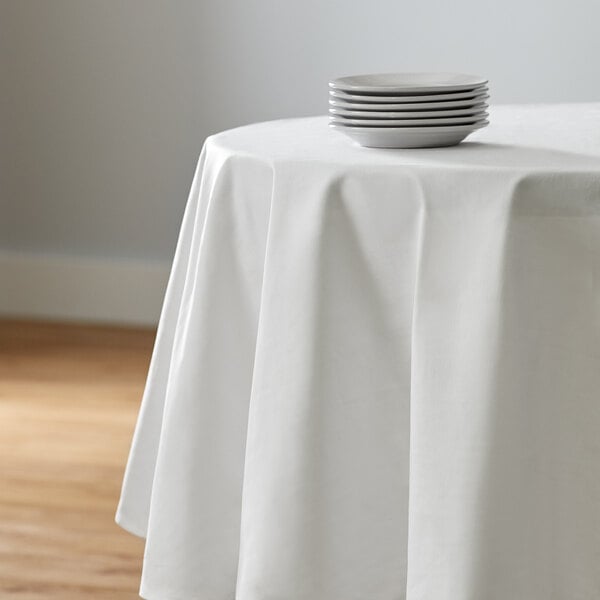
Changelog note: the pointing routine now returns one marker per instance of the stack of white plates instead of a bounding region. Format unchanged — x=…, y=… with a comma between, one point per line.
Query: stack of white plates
x=408, y=110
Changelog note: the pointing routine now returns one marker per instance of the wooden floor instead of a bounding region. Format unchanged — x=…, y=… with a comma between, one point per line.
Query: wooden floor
x=69, y=396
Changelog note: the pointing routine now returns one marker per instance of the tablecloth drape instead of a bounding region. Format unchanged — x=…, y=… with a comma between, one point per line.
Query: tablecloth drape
x=377, y=372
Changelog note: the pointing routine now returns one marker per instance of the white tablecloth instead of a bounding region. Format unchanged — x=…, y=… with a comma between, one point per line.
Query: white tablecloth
x=377, y=372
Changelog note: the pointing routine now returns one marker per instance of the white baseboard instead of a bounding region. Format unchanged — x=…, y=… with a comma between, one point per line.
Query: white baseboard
x=128, y=292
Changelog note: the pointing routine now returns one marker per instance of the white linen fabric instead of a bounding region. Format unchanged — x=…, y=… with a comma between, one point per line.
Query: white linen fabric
x=377, y=372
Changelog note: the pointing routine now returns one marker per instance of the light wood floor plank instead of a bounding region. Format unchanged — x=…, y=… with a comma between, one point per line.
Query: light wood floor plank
x=69, y=396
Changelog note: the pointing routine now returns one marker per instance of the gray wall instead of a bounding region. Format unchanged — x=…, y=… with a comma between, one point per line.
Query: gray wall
x=105, y=103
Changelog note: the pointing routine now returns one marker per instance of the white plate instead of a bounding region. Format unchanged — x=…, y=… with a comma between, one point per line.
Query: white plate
x=345, y=121
x=410, y=105
x=403, y=98
x=408, y=137
x=409, y=114
x=407, y=83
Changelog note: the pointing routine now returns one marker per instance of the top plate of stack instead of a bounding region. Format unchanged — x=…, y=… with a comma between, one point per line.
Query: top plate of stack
x=407, y=83
x=408, y=110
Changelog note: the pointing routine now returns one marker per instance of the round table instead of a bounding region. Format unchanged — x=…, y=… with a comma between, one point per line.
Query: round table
x=377, y=372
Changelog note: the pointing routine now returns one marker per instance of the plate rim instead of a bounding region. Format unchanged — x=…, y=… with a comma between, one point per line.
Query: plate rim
x=381, y=99
x=382, y=123
x=342, y=83
x=415, y=114
x=392, y=106
x=415, y=130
